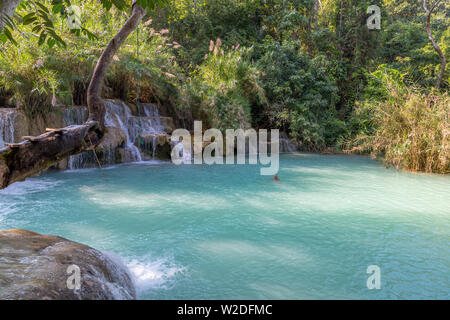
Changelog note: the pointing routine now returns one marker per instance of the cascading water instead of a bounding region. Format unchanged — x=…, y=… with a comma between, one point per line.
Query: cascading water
x=154, y=141
x=149, y=124
x=7, y=119
x=183, y=154
x=286, y=145
x=75, y=116
x=118, y=114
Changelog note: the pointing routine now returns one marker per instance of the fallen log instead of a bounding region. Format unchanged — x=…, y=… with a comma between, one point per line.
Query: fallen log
x=21, y=160
x=30, y=138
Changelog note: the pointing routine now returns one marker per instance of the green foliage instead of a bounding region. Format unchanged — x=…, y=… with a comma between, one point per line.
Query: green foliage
x=30, y=85
x=226, y=86
x=410, y=129
x=301, y=95
x=321, y=77
x=33, y=76
x=41, y=16
x=408, y=50
x=233, y=21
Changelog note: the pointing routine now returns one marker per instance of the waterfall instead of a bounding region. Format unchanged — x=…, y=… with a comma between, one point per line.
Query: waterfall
x=74, y=116
x=118, y=113
x=151, y=125
x=154, y=147
x=148, y=125
x=7, y=119
x=286, y=145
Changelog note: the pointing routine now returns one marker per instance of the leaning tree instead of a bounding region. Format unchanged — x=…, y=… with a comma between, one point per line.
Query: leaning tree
x=19, y=161
x=429, y=12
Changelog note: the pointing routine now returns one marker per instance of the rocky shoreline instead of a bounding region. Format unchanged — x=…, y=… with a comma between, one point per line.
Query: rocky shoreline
x=42, y=267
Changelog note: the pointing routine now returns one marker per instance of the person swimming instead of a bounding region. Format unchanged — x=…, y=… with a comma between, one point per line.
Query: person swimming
x=275, y=178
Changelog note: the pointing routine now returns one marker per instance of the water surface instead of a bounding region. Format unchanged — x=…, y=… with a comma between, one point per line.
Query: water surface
x=225, y=232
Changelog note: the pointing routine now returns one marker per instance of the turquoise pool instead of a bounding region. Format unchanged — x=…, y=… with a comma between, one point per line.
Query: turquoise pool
x=225, y=232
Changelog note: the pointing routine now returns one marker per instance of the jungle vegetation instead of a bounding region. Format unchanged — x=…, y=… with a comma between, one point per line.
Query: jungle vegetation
x=311, y=68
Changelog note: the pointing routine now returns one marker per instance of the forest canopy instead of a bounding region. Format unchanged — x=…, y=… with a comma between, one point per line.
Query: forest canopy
x=312, y=68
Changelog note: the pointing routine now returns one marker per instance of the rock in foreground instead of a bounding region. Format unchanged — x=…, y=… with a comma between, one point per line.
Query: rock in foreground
x=35, y=267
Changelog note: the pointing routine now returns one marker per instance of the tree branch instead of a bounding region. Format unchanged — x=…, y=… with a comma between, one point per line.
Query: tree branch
x=22, y=160
x=430, y=37
x=35, y=154
x=96, y=104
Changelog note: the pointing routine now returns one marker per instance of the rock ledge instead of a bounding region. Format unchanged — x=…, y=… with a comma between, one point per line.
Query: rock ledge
x=35, y=267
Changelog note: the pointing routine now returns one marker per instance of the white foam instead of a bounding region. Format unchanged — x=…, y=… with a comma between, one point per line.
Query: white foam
x=150, y=274
x=85, y=170
x=148, y=162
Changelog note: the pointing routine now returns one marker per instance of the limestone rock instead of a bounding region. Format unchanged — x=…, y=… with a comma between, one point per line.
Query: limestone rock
x=35, y=266
x=158, y=143
x=114, y=138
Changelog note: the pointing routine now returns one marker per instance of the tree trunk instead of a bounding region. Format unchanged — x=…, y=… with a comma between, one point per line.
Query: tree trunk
x=96, y=104
x=430, y=36
x=7, y=9
x=35, y=154
x=340, y=19
x=316, y=13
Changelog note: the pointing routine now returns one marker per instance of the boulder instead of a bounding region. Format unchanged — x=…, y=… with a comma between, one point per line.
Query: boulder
x=38, y=267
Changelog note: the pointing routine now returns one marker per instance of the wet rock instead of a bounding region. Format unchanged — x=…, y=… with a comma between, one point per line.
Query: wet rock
x=156, y=146
x=114, y=138
x=109, y=150
x=63, y=164
x=35, y=267
x=169, y=124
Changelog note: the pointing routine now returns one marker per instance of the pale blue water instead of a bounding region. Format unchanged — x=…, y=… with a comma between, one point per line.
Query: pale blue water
x=225, y=232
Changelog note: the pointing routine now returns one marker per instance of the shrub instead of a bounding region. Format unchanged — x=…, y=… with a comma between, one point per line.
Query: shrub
x=226, y=86
x=29, y=85
x=301, y=96
x=410, y=129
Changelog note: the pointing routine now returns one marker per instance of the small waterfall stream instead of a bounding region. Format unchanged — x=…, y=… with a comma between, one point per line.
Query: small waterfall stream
x=7, y=119
x=286, y=144
x=181, y=152
x=119, y=115
x=73, y=116
x=134, y=137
